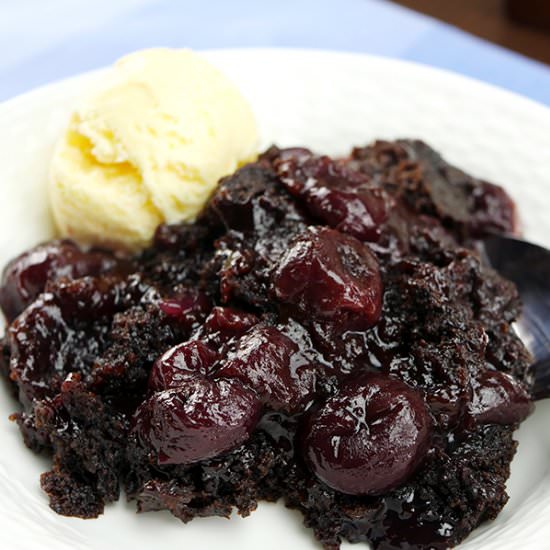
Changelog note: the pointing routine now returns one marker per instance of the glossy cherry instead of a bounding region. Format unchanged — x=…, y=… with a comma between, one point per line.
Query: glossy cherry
x=329, y=276
x=344, y=199
x=187, y=307
x=493, y=211
x=181, y=363
x=237, y=201
x=498, y=398
x=369, y=437
x=89, y=298
x=225, y=323
x=271, y=363
x=196, y=421
x=35, y=339
x=25, y=277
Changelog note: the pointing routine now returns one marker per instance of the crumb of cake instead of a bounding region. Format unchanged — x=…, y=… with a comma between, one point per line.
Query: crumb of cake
x=325, y=333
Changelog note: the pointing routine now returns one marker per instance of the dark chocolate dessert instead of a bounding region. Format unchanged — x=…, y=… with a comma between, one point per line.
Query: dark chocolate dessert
x=325, y=334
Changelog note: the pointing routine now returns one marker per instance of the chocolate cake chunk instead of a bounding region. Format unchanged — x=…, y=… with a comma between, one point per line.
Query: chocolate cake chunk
x=325, y=334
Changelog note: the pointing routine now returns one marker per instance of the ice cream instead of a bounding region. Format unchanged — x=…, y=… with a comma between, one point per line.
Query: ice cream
x=148, y=146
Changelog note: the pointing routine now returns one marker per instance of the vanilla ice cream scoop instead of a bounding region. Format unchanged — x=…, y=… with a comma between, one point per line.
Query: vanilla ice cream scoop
x=148, y=146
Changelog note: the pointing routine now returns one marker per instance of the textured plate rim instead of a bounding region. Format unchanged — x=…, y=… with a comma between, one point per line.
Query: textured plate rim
x=510, y=537
x=40, y=91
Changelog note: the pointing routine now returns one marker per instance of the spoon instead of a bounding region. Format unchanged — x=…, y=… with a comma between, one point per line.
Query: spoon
x=528, y=266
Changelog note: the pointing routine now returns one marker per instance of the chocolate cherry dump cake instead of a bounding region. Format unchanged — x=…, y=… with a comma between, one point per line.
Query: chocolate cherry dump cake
x=325, y=334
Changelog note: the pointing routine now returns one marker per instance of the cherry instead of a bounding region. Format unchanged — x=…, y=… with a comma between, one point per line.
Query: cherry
x=237, y=201
x=330, y=276
x=369, y=437
x=196, y=421
x=225, y=323
x=343, y=199
x=64, y=329
x=25, y=277
x=180, y=363
x=493, y=211
x=187, y=307
x=498, y=398
x=271, y=363
x=89, y=298
x=35, y=339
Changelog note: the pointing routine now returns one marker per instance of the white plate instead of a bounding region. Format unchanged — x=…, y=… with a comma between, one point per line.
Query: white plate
x=327, y=101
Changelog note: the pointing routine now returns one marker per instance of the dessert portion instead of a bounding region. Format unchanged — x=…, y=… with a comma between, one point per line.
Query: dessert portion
x=147, y=146
x=325, y=333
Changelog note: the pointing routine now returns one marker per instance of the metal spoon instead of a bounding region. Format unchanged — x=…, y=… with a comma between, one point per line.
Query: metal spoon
x=528, y=266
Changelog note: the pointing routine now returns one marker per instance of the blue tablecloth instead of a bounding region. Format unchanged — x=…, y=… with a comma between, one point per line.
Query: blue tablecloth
x=41, y=41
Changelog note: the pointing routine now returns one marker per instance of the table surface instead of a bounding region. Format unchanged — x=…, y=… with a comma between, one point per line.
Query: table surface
x=493, y=20
x=45, y=41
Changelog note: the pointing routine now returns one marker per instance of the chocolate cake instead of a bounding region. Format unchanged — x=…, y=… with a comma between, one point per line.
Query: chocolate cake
x=325, y=334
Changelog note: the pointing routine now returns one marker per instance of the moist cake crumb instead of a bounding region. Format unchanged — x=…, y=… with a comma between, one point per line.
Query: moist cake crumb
x=325, y=333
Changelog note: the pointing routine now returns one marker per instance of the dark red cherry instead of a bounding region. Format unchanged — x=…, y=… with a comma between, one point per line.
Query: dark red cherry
x=35, y=339
x=493, y=211
x=64, y=330
x=25, y=277
x=343, y=199
x=329, y=276
x=180, y=363
x=187, y=307
x=89, y=298
x=271, y=364
x=199, y=420
x=237, y=200
x=225, y=323
x=499, y=398
x=369, y=437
